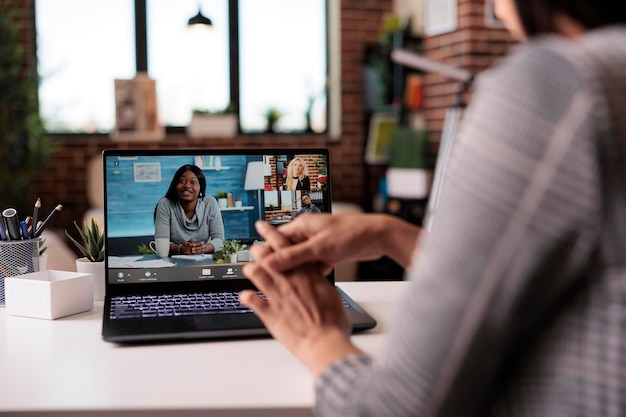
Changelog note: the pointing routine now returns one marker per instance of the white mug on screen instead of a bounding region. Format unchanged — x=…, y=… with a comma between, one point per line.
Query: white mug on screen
x=161, y=247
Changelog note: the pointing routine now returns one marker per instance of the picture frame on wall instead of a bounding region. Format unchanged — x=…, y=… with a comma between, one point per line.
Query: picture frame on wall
x=382, y=126
x=136, y=116
x=491, y=20
x=441, y=17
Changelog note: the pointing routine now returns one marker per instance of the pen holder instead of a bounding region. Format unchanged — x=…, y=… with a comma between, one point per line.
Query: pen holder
x=17, y=257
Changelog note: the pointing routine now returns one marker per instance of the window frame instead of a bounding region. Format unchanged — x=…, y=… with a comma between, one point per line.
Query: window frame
x=333, y=113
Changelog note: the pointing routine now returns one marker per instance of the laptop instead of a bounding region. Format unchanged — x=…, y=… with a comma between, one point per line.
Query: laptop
x=181, y=296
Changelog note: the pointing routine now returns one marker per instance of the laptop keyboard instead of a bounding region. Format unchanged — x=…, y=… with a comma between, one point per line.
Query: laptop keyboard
x=173, y=305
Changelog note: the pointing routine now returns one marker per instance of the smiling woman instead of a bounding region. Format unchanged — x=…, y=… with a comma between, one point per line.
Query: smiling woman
x=187, y=217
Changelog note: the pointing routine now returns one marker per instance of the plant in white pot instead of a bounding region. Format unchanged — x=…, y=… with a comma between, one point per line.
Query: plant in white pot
x=222, y=198
x=228, y=253
x=206, y=123
x=91, y=247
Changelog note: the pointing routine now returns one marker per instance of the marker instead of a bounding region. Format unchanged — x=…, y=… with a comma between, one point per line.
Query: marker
x=35, y=215
x=13, y=226
x=46, y=222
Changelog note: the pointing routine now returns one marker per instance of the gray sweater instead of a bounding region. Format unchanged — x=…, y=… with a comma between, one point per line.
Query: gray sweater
x=206, y=225
x=517, y=300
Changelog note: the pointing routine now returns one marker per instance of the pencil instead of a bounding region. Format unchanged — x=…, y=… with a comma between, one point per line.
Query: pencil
x=35, y=217
x=46, y=222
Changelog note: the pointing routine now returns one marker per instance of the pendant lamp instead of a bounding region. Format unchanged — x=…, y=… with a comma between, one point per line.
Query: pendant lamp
x=200, y=20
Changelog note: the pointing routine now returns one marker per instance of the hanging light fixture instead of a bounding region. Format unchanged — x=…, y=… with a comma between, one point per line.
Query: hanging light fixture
x=200, y=20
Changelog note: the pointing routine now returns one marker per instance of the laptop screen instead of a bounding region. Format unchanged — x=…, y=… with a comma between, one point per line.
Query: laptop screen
x=146, y=197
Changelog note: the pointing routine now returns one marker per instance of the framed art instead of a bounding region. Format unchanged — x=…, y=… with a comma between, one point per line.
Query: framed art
x=136, y=117
x=147, y=172
x=441, y=17
x=382, y=126
x=491, y=21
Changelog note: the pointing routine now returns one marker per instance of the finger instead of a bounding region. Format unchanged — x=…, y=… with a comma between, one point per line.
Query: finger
x=260, y=278
x=260, y=251
x=296, y=230
x=252, y=300
x=272, y=237
x=290, y=257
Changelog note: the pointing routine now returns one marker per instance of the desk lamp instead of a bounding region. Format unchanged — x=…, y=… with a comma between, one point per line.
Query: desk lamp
x=450, y=122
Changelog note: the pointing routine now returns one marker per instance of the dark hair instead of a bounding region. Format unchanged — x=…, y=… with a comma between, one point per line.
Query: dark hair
x=538, y=16
x=171, y=191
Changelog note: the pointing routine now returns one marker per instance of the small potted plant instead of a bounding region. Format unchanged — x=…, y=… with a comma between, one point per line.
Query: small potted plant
x=144, y=249
x=238, y=202
x=207, y=123
x=228, y=253
x=272, y=115
x=222, y=198
x=91, y=246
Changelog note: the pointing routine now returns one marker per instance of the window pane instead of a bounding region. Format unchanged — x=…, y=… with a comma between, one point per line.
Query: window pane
x=82, y=47
x=282, y=48
x=190, y=65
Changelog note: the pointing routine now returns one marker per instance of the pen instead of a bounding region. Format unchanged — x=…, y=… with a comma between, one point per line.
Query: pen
x=24, y=228
x=13, y=226
x=46, y=222
x=3, y=233
x=35, y=215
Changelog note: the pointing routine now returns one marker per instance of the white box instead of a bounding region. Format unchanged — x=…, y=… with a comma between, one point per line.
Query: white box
x=49, y=294
x=244, y=256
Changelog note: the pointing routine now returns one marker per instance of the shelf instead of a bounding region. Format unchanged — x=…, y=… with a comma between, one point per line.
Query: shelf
x=214, y=168
x=242, y=208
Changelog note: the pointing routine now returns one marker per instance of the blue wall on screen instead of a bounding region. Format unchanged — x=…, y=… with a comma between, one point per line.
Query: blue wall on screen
x=131, y=203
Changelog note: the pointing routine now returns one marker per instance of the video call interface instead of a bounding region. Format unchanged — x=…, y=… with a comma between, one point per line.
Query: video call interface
x=247, y=187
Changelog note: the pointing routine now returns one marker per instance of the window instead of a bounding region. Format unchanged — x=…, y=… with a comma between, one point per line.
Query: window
x=282, y=63
x=77, y=72
x=279, y=54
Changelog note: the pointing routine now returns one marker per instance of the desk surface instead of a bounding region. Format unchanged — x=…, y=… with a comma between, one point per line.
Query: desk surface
x=63, y=365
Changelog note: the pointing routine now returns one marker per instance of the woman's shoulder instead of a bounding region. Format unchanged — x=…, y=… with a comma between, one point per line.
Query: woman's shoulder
x=209, y=201
x=535, y=58
x=535, y=71
x=560, y=56
x=165, y=202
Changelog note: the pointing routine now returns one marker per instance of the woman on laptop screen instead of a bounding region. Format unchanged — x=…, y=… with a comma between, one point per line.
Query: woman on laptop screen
x=297, y=175
x=190, y=219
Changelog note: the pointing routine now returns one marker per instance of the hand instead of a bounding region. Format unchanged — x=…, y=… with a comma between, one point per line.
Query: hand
x=303, y=311
x=327, y=240
x=191, y=247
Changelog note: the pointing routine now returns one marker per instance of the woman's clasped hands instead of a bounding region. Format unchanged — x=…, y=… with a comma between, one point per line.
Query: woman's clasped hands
x=192, y=247
x=302, y=310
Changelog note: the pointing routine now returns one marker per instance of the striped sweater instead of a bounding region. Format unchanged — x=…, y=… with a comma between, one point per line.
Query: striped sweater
x=517, y=300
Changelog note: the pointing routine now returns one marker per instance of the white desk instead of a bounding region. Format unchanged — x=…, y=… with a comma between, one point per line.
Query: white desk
x=63, y=367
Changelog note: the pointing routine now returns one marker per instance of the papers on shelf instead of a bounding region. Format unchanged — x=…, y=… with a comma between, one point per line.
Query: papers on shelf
x=137, y=262
x=198, y=257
